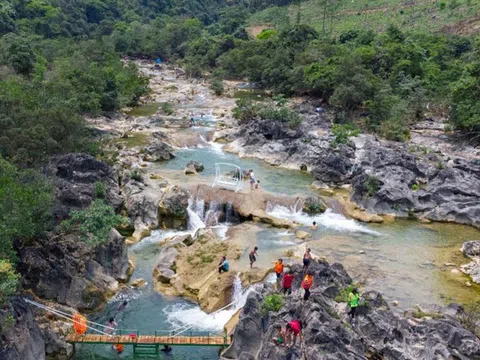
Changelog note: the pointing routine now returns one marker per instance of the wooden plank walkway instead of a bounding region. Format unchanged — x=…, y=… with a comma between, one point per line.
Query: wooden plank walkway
x=149, y=340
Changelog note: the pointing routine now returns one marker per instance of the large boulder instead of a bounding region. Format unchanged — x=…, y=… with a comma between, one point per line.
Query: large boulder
x=194, y=167
x=22, y=339
x=172, y=208
x=75, y=177
x=141, y=203
x=158, y=152
x=379, y=332
x=64, y=269
x=471, y=248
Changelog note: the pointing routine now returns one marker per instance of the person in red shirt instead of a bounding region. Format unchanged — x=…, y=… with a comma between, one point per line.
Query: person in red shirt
x=287, y=282
x=307, y=284
x=293, y=328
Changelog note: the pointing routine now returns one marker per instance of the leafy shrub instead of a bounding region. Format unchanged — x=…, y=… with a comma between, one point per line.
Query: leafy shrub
x=272, y=302
x=136, y=175
x=217, y=87
x=343, y=133
x=93, y=223
x=9, y=280
x=100, y=190
x=415, y=187
x=371, y=185
x=343, y=295
x=167, y=108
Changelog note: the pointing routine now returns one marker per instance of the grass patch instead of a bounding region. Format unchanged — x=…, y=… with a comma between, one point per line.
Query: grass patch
x=133, y=139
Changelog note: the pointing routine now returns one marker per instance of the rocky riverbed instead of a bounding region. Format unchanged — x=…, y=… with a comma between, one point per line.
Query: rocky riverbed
x=181, y=226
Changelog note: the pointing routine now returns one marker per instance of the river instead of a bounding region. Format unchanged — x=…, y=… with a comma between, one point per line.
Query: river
x=406, y=261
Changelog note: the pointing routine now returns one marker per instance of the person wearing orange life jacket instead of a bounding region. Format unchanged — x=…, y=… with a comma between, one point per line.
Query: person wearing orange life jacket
x=279, y=268
x=307, y=284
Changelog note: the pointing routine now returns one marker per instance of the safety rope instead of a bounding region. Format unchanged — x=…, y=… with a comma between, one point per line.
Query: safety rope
x=70, y=317
x=64, y=315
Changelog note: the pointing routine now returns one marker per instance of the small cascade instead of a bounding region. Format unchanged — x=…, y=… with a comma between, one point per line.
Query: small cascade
x=328, y=219
x=212, y=215
x=195, y=212
x=228, y=213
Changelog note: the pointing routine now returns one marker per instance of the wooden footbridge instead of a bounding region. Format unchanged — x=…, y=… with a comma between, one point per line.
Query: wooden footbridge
x=142, y=344
x=145, y=345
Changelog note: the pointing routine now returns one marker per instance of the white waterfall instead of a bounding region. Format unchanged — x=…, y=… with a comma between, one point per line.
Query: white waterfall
x=195, y=213
x=328, y=219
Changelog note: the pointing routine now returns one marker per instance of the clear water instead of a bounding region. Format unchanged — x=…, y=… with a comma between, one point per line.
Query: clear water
x=271, y=178
x=144, y=110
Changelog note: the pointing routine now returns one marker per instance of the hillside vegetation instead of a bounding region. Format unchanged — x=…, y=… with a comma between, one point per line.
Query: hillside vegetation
x=461, y=17
x=379, y=65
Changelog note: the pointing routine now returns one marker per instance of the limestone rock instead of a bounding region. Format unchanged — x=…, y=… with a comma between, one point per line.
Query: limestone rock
x=198, y=166
x=302, y=235
x=23, y=340
x=378, y=331
x=75, y=177
x=172, y=208
x=158, y=152
x=314, y=205
x=64, y=269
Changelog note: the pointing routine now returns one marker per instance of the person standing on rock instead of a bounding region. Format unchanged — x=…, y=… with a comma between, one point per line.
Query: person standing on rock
x=279, y=269
x=307, y=258
x=353, y=299
x=252, y=179
x=287, y=282
x=224, y=265
x=293, y=328
x=253, y=256
x=192, y=118
x=307, y=284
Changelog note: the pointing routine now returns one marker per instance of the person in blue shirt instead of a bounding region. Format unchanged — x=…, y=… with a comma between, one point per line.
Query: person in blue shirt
x=224, y=266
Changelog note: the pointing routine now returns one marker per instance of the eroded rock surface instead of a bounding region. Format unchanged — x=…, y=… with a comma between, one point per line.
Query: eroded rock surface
x=471, y=249
x=379, y=333
x=187, y=266
x=64, y=269
x=23, y=339
x=75, y=177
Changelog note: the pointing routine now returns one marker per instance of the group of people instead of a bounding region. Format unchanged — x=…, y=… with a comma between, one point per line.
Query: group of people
x=254, y=184
x=192, y=118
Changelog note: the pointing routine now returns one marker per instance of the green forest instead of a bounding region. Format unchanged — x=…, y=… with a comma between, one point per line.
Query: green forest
x=61, y=60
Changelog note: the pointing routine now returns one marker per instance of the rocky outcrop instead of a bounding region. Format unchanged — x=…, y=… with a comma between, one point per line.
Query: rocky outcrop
x=187, y=266
x=141, y=203
x=471, y=249
x=21, y=337
x=390, y=180
x=159, y=151
x=76, y=178
x=193, y=168
x=64, y=269
x=387, y=178
x=379, y=333
x=172, y=208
